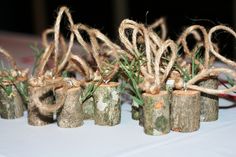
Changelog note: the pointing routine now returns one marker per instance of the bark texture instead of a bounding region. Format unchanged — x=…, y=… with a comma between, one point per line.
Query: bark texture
x=35, y=118
x=88, y=108
x=209, y=103
x=185, y=111
x=11, y=106
x=134, y=111
x=107, y=104
x=156, y=113
x=141, y=116
x=71, y=114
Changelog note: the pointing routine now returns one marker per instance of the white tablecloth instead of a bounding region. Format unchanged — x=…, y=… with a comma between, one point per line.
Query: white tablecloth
x=214, y=139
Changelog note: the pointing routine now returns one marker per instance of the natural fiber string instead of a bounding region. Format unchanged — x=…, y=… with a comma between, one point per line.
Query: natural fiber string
x=210, y=73
x=94, y=36
x=190, y=30
x=173, y=47
x=162, y=24
x=135, y=27
x=66, y=57
x=9, y=58
x=63, y=10
x=212, y=48
x=87, y=70
x=46, y=109
x=43, y=60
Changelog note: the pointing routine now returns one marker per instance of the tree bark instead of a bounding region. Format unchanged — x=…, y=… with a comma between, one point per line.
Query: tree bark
x=35, y=118
x=107, y=104
x=185, y=111
x=209, y=103
x=134, y=111
x=12, y=106
x=71, y=114
x=88, y=108
x=141, y=117
x=156, y=113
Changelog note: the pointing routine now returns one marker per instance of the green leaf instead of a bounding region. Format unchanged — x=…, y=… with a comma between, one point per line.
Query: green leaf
x=137, y=100
x=8, y=90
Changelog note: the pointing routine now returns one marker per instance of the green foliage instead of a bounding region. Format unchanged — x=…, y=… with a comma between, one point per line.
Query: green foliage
x=131, y=69
x=88, y=92
x=22, y=88
x=37, y=54
x=7, y=89
x=194, y=67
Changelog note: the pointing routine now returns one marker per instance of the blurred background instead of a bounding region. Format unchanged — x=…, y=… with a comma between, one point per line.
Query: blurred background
x=33, y=16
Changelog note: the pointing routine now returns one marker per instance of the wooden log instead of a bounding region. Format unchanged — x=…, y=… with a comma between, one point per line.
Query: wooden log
x=88, y=105
x=134, y=111
x=107, y=104
x=88, y=108
x=71, y=114
x=185, y=111
x=156, y=113
x=209, y=103
x=11, y=106
x=35, y=118
x=141, y=116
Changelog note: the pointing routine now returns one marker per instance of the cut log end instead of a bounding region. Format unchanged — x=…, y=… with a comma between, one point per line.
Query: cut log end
x=185, y=111
x=156, y=113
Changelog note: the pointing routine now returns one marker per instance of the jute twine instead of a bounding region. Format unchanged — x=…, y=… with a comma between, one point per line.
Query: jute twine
x=212, y=45
x=19, y=75
x=97, y=41
x=155, y=48
x=206, y=72
x=200, y=42
x=162, y=24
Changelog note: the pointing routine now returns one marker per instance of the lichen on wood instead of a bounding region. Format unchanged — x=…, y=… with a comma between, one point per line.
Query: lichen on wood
x=185, y=111
x=156, y=112
x=107, y=104
x=71, y=113
x=11, y=106
x=209, y=103
x=88, y=108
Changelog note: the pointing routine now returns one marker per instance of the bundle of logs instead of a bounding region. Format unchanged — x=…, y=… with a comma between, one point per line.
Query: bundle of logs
x=173, y=86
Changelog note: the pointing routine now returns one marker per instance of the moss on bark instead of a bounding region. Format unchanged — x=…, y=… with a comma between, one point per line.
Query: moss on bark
x=156, y=113
x=107, y=104
x=11, y=106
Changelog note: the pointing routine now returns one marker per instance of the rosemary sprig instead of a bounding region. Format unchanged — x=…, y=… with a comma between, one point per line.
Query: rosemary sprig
x=131, y=69
x=37, y=54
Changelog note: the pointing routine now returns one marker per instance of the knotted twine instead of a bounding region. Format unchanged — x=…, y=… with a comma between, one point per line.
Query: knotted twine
x=19, y=75
x=206, y=72
x=97, y=43
x=154, y=49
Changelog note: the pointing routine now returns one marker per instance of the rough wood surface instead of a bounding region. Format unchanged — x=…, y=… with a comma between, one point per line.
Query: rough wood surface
x=141, y=116
x=135, y=112
x=107, y=104
x=88, y=108
x=71, y=114
x=34, y=116
x=156, y=113
x=12, y=106
x=185, y=111
x=209, y=103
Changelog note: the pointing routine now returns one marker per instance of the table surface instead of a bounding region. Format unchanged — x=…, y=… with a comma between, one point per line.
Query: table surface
x=18, y=139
